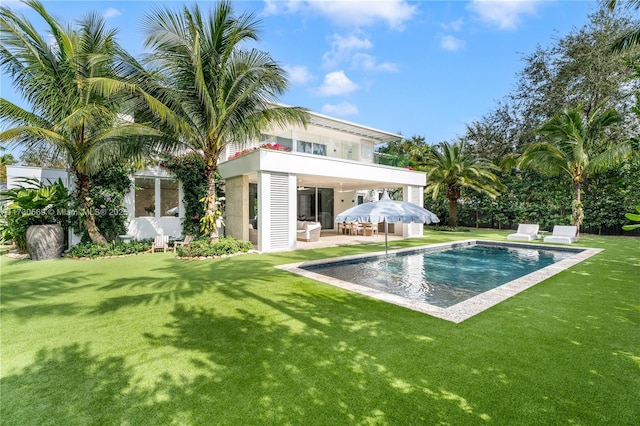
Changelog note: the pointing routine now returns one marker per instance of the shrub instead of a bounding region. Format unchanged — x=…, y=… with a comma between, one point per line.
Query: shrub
x=115, y=248
x=108, y=189
x=204, y=248
x=449, y=228
x=33, y=203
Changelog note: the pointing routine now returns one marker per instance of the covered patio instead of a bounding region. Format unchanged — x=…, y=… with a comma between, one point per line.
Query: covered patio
x=332, y=238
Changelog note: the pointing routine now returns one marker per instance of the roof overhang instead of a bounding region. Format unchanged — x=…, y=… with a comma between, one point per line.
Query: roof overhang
x=378, y=136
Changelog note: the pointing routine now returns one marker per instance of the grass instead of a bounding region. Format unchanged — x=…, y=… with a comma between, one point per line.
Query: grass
x=154, y=340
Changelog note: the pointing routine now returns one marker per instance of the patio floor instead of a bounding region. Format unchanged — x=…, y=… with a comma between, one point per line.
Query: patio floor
x=333, y=239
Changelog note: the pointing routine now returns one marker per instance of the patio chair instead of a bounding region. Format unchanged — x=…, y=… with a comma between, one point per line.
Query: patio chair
x=562, y=235
x=184, y=243
x=309, y=231
x=160, y=242
x=525, y=232
x=368, y=230
x=355, y=228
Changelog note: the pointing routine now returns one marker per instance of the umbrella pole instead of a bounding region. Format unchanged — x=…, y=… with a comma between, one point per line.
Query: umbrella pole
x=385, y=235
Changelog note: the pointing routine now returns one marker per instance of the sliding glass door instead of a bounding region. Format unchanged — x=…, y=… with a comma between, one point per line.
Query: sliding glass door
x=316, y=204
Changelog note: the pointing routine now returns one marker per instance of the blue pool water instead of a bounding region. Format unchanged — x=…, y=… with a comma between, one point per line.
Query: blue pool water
x=443, y=278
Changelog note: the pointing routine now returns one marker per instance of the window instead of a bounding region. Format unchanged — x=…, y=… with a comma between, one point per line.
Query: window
x=312, y=148
x=145, y=196
x=152, y=192
x=169, y=197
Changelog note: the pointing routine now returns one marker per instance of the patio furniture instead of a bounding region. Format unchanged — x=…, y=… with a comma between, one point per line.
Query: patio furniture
x=562, y=235
x=355, y=228
x=368, y=229
x=308, y=231
x=187, y=240
x=160, y=242
x=525, y=232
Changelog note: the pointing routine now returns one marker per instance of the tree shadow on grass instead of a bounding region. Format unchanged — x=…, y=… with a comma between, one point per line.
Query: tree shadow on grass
x=262, y=371
x=66, y=386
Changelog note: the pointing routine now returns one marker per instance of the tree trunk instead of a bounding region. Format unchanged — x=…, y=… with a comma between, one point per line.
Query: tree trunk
x=211, y=205
x=86, y=204
x=453, y=212
x=453, y=193
x=577, y=211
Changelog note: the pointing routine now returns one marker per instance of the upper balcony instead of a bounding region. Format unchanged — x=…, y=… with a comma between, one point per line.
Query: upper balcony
x=328, y=137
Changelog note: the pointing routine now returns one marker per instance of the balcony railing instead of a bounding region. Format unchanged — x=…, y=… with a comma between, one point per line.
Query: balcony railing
x=396, y=160
x=327, y=147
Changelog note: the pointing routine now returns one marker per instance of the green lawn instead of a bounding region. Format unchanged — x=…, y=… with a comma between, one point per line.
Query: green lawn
x=151, y=340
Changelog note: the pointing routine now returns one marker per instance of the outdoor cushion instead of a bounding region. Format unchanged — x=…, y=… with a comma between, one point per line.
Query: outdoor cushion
x=562, y=235
x=525, y=232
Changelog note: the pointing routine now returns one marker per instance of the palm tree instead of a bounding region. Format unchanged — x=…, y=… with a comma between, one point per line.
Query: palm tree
x=70, y=80
x=632, y=36
x=5, y=160
x=576, y=145
x=219, y=91
x=451, y=167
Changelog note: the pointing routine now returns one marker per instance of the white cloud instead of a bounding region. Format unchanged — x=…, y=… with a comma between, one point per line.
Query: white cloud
x=298, y=74
x=342, y=109
x=111, y=13
x=505, y=14
x=336, y=83
x=343, y=46
x=350, y=13
x=454, y=25
x=370, y=63
x=451, y=43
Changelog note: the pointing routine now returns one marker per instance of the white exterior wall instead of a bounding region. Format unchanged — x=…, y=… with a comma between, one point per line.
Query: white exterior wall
x=148, y=226
x=16, y=173
x=139, y=227
x=412, y=194
x=273, y=235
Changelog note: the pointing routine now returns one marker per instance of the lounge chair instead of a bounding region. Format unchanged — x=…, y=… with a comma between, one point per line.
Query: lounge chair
x=562, y=235
x=308, y=231
x=187, y=240
x=161, y=242
x=525, y=232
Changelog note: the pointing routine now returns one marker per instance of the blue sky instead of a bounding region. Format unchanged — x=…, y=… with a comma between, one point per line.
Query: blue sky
x=418, y=68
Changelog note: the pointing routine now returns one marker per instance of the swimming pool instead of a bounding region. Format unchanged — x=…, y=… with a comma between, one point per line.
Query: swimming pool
x=452, y=281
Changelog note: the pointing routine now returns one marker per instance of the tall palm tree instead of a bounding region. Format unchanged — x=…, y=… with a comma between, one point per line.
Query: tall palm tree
x=451, y=167
x=219, y=90
x=576, y=145
x=70, y=80
x=632, y=36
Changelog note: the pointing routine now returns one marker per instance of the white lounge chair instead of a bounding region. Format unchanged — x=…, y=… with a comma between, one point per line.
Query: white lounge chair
x=308, y=231
x=562, y=235
x=525, y=232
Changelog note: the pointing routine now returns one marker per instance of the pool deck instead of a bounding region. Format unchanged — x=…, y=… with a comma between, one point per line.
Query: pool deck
x=333, y=239
x=463, y=310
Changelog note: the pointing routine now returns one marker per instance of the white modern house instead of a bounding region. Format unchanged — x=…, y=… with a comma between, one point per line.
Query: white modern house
x=322, y=170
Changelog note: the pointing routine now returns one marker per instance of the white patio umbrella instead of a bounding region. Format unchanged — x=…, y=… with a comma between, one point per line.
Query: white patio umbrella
x=387, y=210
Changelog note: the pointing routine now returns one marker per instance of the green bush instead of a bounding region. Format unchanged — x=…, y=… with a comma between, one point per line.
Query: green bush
x=115, y=248
x=204, y=248
x=32, y=203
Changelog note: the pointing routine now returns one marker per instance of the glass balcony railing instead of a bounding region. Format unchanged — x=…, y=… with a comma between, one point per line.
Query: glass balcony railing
x=396, y=160
x=327, y=147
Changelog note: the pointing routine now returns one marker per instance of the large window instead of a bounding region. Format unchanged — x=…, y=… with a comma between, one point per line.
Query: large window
x=169, y=197
x=145, y=197
x=153, y=192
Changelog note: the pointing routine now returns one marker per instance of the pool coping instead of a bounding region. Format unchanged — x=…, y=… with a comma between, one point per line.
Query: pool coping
x=465, y=309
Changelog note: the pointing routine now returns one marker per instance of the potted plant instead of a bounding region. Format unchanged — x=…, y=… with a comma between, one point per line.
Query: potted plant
x=34, y=217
